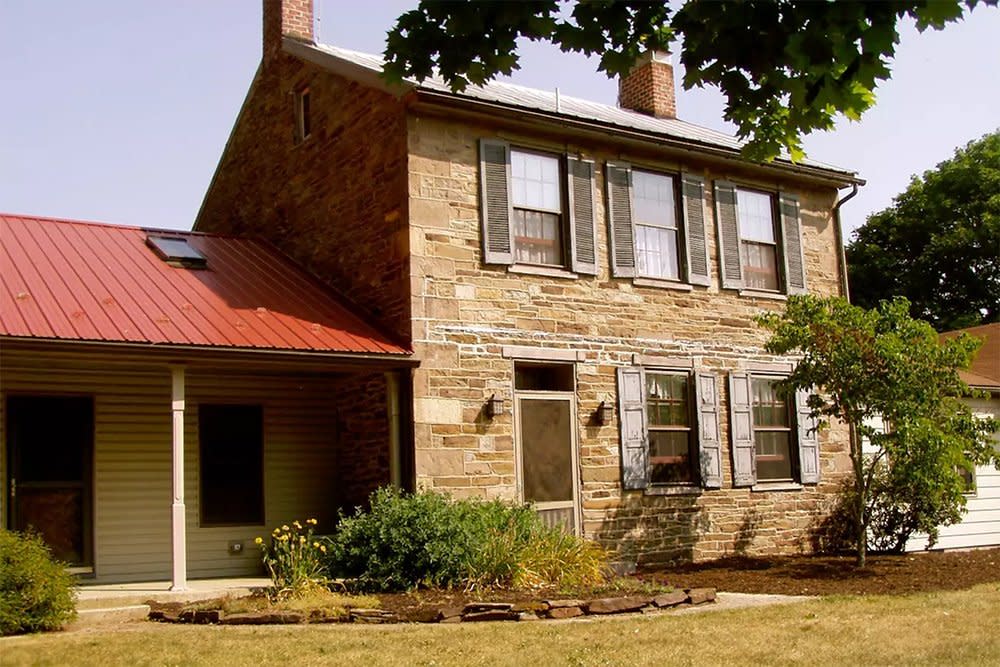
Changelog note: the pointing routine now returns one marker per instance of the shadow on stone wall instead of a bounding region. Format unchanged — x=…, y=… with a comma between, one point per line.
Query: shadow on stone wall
x=645, y=531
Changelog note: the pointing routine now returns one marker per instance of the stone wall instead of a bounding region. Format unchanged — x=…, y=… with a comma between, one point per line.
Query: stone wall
x=465, y=313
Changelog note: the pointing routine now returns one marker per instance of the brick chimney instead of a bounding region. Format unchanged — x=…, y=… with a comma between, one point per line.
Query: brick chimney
x=286, y=18
x=649, y=86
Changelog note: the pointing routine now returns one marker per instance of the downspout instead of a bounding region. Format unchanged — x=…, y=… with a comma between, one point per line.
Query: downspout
x=839, y=231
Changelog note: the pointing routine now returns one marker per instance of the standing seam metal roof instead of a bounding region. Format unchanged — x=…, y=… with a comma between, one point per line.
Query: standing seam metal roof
x=86, y=281
x=545, y=101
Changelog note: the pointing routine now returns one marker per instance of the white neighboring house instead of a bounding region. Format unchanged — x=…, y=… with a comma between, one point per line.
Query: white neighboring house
x=980, y=526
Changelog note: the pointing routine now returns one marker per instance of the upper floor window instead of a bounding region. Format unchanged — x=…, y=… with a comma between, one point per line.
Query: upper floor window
x=651, y=236
x=657, y=237
x=760, y=240
x=303, y=115
x=537, y=209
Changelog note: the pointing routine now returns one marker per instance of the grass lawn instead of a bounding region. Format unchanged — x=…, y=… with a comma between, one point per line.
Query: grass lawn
x=948, y=628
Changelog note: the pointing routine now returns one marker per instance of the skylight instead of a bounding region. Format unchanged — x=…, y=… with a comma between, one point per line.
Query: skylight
x=175, y=251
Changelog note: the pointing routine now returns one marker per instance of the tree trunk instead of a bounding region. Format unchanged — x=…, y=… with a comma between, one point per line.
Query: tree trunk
x=860, y=494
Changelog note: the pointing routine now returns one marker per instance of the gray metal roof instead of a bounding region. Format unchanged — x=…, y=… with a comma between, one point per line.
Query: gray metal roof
x=545, y=101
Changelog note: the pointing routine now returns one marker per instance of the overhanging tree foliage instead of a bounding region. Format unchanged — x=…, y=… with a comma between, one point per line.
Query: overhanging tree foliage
x=786, y=68
x=881, y=363
x=938, y=244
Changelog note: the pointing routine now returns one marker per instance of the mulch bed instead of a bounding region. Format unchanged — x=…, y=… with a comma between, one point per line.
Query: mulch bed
x=838, y=575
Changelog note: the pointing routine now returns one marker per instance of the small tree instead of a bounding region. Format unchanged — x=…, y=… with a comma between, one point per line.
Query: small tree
x=883, y=363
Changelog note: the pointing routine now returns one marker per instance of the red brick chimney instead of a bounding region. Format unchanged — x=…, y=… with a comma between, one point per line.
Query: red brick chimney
x=286, y=18
x=649, y=86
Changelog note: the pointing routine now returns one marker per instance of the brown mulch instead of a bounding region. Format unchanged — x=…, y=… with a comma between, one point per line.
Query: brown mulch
x=838, y=575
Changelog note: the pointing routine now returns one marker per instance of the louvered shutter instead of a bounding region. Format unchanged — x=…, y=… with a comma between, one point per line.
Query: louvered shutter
x=741, y=430
x=808, y=439
x=730, y=264
x=620, y=231
x=695, y=232
x=632, y=422
x=791, y=237
x=583, y=234
x=709, y=442
x=495, y=206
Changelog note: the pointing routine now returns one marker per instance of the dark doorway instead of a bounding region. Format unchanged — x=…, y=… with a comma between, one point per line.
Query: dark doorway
x=50, y=443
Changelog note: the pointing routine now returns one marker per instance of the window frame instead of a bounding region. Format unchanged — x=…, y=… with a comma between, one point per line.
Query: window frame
x=778, y=243
x=691, y=429
x=258, y=519
x=562, y=215
x=678, y=228
x=791, y=429
x=303, y=115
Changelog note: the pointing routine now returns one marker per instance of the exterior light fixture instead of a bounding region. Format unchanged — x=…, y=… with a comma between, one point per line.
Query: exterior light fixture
x=605, y=413
x=494, y=406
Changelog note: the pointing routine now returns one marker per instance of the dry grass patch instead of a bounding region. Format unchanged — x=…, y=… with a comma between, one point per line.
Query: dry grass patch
x=950, y=628
x=333, y=604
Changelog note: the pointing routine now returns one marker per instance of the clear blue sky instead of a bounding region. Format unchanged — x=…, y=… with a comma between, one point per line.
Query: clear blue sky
x=118, y=110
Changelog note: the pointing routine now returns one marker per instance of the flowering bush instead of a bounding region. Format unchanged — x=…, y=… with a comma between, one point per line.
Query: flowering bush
x=294, y=559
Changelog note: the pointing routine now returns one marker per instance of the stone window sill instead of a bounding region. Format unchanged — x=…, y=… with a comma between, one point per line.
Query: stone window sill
x=662, y=284
x=550, y=271
x=757, y=294
x=680, y=490
x=776, y=486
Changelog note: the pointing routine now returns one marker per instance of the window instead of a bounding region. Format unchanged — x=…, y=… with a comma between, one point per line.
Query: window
x=232, y=479
x=537, y=210
x=669, y=427
x=758, y=242
x=657, y=238
x=774, y=436
x=176, y=251
x=303, y=117
x=537, y=203
x=651, y=236
x=668, y=414
x=772, y=432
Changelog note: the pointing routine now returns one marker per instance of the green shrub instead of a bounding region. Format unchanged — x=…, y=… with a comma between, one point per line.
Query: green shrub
x=36, y=592
x=428, y=539
x=294, y=559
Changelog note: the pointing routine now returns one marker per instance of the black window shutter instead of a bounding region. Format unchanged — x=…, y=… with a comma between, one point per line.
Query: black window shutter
x=730, y=263
x=583, y=232
x=495, y=206
x=620, y=232
x=695, y=232
x=792, y=251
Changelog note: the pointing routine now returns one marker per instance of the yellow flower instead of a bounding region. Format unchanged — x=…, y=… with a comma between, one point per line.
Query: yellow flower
x=311, y=522
x=322, y=548
x=285, y=527
x=297, y=525
x=276, y=531
x=259, y=541
x=283, y=538
x=302, y=539
x=316, y=545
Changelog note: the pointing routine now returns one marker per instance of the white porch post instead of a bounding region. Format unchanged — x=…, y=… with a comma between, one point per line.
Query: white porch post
x=177, y=517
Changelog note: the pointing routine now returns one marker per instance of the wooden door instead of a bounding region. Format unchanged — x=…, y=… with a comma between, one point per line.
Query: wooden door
x=50, y=448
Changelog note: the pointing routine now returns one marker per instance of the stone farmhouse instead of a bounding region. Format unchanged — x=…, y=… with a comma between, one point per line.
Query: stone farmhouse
x=577, y=282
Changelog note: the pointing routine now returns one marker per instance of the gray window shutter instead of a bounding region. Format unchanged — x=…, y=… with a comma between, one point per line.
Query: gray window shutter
x=709, y=443
x=583, y=234
x=632, y=423
x=730, y=263
x=791, y=237
x=741, y=430
x=495, y=204
x=808, y=439
x=620, y=232
x=695, y=231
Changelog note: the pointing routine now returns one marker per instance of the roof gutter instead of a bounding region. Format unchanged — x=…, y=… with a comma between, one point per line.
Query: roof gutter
x=841, y=251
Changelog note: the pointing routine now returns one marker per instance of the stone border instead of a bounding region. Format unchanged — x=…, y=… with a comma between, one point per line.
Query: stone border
x=469, y=613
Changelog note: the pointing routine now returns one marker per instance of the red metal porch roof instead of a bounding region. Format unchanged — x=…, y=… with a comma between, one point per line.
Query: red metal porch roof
x=85, y=281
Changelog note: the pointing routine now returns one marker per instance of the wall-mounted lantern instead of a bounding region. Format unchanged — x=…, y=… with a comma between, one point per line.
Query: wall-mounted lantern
x=494, y=406
x=604, y=414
